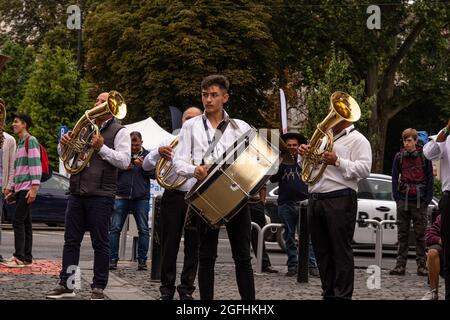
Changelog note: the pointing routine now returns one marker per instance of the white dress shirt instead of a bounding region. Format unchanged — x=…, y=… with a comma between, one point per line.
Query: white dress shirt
x=440, y=151
x=152, y=159
x=120, y=156
x=355, y=161
x=194, y=143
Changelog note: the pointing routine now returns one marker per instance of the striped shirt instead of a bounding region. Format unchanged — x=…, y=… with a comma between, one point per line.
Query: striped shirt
x=27, y=165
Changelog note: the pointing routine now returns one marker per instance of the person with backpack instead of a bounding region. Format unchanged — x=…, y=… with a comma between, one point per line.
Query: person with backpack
x=27, y=179
x=412, y=187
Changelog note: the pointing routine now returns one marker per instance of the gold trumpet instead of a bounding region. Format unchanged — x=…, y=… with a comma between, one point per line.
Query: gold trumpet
x=343, y=107
x=162, y=171
x=78, y=152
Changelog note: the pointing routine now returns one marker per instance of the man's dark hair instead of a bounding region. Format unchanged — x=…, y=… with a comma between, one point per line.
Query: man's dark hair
x=135, y=134
x=216, y=80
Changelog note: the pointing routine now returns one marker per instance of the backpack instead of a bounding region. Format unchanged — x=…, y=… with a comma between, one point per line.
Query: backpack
x=45, y=163
x=412, y=171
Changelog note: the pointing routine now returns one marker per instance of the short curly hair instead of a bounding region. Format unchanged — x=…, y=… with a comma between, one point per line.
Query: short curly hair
x=216, y=80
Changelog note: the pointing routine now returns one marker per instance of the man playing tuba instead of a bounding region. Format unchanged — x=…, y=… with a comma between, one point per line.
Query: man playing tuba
x=173, y=213
x=332, y=204
x=91, y=201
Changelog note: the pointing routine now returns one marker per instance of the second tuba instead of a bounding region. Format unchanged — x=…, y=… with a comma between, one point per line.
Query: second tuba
x=343, y=107
x=164, y=167
x=78, y=152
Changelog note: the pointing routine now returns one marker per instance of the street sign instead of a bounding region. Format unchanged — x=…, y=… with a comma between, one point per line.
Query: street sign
x=62, y=130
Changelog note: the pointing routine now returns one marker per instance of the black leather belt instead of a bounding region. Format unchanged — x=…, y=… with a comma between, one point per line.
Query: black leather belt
x=332, y=194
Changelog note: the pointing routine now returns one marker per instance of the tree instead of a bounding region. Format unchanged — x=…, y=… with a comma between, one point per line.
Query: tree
x=158, y=52
x=49, y=97
x=27, y=21
x=15, y=75
x=413, y=38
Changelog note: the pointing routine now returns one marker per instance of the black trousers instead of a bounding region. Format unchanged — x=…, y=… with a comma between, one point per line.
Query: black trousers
x=238, y=229
x=23, y=231
x=445, y=237
x=257, y=215
x=332, y=224
x=82, y=214
x=173, y=214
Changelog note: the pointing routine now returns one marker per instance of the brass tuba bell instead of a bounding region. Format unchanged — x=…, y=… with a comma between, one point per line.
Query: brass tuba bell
x=164, y=167
x=343, y=107
x=78, y=152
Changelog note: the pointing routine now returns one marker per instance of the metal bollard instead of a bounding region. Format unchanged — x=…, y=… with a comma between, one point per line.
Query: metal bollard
x=259, y=252
x=303, y=244
x=379, y=237
x=155, y=273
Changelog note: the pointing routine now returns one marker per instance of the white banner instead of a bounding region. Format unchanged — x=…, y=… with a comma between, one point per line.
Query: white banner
x=283, y=105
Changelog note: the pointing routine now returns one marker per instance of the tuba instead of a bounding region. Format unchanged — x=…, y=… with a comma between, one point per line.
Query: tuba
x=343, y=107
x=78, y=152
x=162, y=171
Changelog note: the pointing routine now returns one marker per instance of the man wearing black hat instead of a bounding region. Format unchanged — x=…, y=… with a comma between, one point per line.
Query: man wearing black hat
x=291, y=191
x=27, y=179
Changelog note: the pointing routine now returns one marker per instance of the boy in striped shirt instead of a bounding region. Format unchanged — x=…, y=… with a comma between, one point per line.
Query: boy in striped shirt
x=27, y=178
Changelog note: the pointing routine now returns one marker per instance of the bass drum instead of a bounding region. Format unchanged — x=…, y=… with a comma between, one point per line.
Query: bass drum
x=237, y=175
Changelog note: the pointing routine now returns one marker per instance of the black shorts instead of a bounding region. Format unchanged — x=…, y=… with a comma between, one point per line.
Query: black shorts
x=438, y=248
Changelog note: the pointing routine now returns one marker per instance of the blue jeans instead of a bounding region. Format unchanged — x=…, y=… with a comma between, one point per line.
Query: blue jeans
x=139, y=208
x=288, y=214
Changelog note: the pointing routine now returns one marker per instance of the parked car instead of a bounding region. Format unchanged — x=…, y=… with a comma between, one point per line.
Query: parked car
x=50, y=204
x=375, y=201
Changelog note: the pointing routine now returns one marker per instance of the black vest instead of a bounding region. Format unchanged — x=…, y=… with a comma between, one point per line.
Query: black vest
x=99, y=177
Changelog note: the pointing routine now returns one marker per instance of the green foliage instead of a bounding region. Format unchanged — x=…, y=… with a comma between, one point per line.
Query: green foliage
x=15, y=75
x=337, y=78
x=437, y=192
x=50, y=95
x=158, y=52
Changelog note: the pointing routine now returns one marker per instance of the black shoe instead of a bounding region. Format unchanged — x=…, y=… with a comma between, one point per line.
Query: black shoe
x=60, y=292
x=97, y=294
x=1, y=258
x=291, y=273
x=398, y=271
x=142, y=266
x=422, y=271
x=113, y=264
x=186, y=296
x=166, y=297
x=269, y=269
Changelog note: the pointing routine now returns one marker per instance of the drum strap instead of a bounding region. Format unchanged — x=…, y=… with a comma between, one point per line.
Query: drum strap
x=213, y=142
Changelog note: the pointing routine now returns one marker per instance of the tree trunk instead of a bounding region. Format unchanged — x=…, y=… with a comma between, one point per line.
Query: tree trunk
x=377, y=134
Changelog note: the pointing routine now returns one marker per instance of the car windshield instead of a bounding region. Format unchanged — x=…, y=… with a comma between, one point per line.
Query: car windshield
x=56, y=182
x=375, y=189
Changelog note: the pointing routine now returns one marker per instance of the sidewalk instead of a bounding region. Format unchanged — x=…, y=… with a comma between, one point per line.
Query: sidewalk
x=127, y=283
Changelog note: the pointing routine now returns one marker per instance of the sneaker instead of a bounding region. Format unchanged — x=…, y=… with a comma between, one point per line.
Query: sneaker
x=14, y=263
x=113, y=264
x=422, y=271
x=314, y=272
x=1, y=258
x=60, y=292
x=269, y=269
x=431, y=295
x=97, y=294
x=28, y=263
x=142, y=266
x=398, y=271
x=291, y=273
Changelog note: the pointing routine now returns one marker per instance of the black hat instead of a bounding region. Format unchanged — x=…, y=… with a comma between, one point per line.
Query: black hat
x=24, y=117
x=294, y=135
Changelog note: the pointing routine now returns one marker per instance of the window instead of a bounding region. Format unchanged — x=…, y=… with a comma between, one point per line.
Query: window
x=375, y=189
x=56, y=182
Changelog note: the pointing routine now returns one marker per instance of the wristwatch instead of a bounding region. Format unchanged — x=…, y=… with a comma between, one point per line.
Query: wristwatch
x=446, y=131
